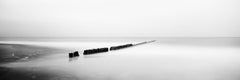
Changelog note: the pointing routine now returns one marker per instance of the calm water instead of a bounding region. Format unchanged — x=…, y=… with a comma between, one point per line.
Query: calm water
x=165, y=59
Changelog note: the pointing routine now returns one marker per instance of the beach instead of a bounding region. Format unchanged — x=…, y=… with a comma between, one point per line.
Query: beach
x=165, y=59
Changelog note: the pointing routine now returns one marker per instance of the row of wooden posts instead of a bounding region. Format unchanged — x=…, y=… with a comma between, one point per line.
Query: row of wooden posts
x=99, y=50
x=105, y=49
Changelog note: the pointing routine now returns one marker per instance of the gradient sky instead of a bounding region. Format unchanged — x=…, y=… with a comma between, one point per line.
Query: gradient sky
x=119, y=18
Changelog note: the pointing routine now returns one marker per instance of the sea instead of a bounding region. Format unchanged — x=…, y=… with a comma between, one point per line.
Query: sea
x=168, y=58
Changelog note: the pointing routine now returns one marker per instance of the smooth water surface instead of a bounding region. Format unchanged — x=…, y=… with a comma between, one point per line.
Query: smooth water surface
x=165, y=59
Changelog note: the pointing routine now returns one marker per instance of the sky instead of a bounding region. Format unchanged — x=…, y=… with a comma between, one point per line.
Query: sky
x=119, y=18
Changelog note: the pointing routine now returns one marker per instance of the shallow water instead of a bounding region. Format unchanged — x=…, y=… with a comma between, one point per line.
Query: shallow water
x=166, y=59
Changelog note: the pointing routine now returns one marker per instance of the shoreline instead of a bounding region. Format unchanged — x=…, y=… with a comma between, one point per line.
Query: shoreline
x=16, y=52
x=11, y=53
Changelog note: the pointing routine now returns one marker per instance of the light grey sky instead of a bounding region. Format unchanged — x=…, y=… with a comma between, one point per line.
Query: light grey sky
x=119, y=18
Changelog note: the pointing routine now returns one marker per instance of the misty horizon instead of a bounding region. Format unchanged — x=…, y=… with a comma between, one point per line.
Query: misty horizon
x=119, y=18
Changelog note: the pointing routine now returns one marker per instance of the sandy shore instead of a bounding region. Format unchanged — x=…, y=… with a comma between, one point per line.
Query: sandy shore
x=20, y=52
x=24, y=53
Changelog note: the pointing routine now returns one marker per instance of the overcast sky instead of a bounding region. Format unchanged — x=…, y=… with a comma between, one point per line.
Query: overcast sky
x=119, y=18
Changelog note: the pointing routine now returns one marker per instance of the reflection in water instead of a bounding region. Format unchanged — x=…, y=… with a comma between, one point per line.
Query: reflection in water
x=73, y=59
x=154, y=61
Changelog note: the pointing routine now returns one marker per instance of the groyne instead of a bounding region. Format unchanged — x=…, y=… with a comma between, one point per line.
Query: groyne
x=106, y=49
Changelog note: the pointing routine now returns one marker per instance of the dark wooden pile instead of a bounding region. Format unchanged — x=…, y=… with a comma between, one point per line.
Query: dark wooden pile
x=120, y=46
x=74, y=54
x=93, y=51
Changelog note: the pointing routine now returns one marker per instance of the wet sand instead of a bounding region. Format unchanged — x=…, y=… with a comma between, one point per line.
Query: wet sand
x=10, y=53
x=21, y=52
x=31, y=74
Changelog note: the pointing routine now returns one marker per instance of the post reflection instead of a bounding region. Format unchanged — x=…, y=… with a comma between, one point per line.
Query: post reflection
x=73, y=59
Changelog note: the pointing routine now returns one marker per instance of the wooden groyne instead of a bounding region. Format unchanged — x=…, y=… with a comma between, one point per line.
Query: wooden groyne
x=120, y=46
x=106, y=49
x=93, y=51
x=145, y=42
x=73, y=54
